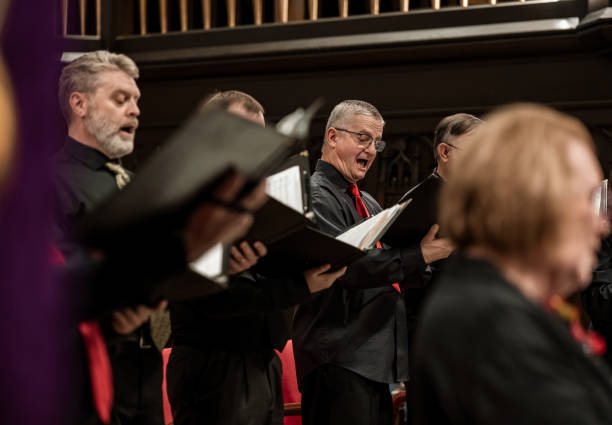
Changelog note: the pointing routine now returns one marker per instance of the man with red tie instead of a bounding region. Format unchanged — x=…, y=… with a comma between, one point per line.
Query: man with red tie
x=350, y=342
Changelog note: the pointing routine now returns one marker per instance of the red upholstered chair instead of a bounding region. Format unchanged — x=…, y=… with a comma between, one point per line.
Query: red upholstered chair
x=291, y=394
x=167, y=411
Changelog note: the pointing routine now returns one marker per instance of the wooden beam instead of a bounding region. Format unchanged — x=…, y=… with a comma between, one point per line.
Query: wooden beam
x=258, y=11
x=99, y=18
x=183, y=9
x=281, y=11
x=65, y=17
x=83, y=11
x=163, y=15
x=206, y=19
x=374, y=7
x=143, y=16
x=343, y=6
x=313, y=9
x=231, y=13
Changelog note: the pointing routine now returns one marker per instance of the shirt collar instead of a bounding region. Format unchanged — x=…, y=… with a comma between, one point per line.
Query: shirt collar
x=87, y=155
x=332, y=174
x=435, y=173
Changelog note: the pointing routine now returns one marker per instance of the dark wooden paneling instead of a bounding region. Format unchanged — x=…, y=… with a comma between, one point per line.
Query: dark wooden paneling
x=416, y=67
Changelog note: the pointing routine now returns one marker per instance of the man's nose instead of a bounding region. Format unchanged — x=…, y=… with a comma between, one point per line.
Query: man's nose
x=133, y=109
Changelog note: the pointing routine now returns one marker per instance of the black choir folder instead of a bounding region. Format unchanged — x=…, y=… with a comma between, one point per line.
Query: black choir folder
x=412, y=225
x=305, y=247
x=183, y=287
x=182, y=175
x=289, y=205
x=287, y=227
x=192, y=282
x=185, y=173
x=285, y=224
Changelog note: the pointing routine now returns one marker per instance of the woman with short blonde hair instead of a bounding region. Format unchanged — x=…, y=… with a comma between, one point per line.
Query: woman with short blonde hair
x=491, y=347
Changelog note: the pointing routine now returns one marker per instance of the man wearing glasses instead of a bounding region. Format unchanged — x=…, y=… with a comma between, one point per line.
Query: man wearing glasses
x=448, y=137
x=350, y=341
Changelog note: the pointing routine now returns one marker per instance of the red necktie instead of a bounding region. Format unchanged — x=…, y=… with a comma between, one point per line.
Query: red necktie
x=364, y=213
x=100, y=371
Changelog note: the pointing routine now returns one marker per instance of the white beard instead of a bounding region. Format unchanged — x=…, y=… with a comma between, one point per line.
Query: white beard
x=107, y=134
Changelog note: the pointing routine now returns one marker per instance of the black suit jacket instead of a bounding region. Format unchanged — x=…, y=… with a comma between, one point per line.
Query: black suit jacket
x=360, y=322
x=252, y=315
x=597, y=298
x=485, y=354
x=81, y=182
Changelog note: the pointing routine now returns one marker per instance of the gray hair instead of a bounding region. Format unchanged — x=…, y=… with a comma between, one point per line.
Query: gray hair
x=452, y=127
x=82, y=74
x=225, y=99
x=348, y=108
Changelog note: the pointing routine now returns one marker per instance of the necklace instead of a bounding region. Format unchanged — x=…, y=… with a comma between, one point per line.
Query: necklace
x=591, y=341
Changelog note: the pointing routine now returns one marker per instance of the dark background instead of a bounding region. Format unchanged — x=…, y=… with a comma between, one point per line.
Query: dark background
x=416, y=67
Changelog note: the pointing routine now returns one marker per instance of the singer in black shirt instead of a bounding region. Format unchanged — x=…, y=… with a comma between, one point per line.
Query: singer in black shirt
x=350, y=342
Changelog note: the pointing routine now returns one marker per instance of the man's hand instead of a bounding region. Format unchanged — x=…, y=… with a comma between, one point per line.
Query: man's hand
x=244, y=257
x=129, y=319
x=318, y=280
x=211, y=223
x=435, y=249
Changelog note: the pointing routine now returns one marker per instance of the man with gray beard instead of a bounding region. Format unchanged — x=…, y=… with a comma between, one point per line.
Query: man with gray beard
x=99, y=99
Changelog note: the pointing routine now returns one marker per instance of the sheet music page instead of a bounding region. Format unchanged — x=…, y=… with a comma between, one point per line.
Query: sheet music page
x=210, y=264
x=365, y=234
x=286, y=187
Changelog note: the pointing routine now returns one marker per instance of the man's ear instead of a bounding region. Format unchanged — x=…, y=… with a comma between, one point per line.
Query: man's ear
x=78, y=104
x=330, y=137
x=443, y=150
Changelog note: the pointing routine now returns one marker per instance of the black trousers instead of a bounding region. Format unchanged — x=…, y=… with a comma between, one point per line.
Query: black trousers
x=332, y=395
x=213, y=386
x=137, y=378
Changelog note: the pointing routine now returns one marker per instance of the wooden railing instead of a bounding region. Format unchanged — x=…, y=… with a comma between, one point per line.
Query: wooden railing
x=82, y=17
x=86, y=14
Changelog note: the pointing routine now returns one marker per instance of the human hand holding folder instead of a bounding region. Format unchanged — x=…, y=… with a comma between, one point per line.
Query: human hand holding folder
x=215, y=222
x=129, y=319
x=319, y=278
x=244, y=256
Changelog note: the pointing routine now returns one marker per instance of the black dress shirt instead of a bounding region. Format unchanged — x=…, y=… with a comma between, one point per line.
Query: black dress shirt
x=416, y=294
x=360, y=322
x=248, y=316
x=82, y=182
x=485, y=354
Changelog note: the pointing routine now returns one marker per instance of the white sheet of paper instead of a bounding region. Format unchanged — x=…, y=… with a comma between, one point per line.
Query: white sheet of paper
x=286, y=187
x=210, y=264
x=366, y=233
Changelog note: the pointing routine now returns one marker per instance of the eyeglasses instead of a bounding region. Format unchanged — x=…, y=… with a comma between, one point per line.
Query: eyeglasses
x=451, y=145
x=365, y=140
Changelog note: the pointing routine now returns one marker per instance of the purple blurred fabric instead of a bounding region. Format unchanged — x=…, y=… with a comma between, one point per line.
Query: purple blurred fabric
x=32, y=327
